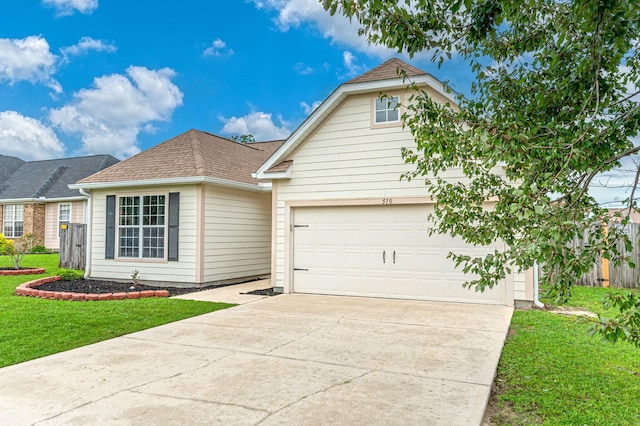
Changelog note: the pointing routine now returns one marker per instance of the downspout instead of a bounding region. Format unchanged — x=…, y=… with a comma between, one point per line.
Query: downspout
x=536, y=301
x=88, y=219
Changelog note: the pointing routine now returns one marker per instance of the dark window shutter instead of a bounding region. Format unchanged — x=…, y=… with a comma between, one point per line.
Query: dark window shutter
x=174, y=220
x=110, y=237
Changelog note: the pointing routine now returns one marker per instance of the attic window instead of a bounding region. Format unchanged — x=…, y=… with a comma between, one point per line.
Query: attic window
x=387, y=110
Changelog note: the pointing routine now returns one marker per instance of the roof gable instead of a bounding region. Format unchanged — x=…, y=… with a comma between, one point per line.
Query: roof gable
x=50, y=178
x=393, y=68
x=385, y=77
x=189, y=155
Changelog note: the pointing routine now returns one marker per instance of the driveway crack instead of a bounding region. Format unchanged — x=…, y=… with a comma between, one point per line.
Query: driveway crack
x=330, y=387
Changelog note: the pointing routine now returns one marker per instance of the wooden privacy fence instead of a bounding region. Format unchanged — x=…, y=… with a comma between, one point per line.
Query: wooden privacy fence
x=605, y=274
x=73, y=237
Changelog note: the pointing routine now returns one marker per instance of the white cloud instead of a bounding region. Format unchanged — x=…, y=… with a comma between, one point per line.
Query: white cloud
x=28, y=59
x=308, y=109
x=68, y=7
x=303, y=69
x=259, y=124
x=351, y=64
x=87, y=44
x=27, y=138
x=337, y=28
x=109, y=116
x=218, y=48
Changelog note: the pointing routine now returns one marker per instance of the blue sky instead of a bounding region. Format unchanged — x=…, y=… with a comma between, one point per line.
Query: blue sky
x=82, y=77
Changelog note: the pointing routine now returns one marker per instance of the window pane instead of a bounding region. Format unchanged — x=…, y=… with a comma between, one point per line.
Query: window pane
x=64, y=212
x=381, y=116
x=380, y=105
x=153, y=210
x=129, y=211
x=153, y=242
x=17, y=229
x=392, y=115
x=129, y=242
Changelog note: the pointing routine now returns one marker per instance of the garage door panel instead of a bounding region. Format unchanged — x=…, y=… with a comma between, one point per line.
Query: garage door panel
x=350, y=250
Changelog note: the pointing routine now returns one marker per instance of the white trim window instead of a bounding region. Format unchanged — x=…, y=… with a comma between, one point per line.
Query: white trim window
x=12, y=220
x=387, y=110
x=64, y=215
x=141, y=226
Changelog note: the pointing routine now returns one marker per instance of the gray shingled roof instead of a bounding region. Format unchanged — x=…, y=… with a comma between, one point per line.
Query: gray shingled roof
x=8, y=165
x=49, y=178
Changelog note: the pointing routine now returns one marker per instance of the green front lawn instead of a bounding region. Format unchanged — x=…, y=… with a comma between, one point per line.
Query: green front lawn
x=552, y=373
x=31, y=327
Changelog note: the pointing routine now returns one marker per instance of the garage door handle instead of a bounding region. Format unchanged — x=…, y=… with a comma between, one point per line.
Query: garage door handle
x=394, y=256
x=384, y=255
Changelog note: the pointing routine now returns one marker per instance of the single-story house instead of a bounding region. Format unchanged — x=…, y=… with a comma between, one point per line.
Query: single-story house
x=187, y=211
x=345, y=224
x=323, y=212
x=35, y=197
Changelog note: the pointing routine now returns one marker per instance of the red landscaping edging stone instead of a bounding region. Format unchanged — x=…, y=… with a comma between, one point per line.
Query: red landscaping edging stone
x=31, y=289
x=22, y=271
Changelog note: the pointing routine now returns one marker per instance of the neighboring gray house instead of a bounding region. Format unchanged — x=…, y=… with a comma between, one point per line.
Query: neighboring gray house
x=35, y=198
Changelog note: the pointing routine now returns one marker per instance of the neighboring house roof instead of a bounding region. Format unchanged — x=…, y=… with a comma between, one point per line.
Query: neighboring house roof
x=8, y=165
x=185, y=158
x=385, y=77
x=49, y=179
x=634, y=216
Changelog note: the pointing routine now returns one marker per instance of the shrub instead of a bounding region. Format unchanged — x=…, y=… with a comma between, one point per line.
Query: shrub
x=39, y=249
x=6, y=246
x=70, y=275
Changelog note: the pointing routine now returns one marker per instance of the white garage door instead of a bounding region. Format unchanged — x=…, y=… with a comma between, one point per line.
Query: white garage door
x=380, y=251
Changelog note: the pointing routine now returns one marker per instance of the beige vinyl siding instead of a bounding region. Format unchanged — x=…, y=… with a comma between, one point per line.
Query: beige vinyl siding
x=523, y=286
x=237, y=234
x=183, y=271
x=346, y=158
x=78, y=209
x=519, y=286
x=51, y=240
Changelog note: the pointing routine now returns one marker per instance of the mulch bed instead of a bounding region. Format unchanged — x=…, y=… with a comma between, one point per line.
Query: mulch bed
x=101, y=287
x=263, y=292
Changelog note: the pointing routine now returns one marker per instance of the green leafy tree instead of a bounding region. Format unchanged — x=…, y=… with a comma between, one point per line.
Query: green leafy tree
x=554, y=104
x=17, y=249
x=243, y=138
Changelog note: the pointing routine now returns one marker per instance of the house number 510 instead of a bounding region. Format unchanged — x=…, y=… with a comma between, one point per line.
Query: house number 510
x=387, y=201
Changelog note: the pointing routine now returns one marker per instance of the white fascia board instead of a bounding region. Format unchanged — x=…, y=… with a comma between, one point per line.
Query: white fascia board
x=173, y=181
x=331, y=103
x=41, y=200
x=274, y=175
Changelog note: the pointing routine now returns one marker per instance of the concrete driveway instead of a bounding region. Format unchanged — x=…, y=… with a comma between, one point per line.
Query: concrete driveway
x=291, y=359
